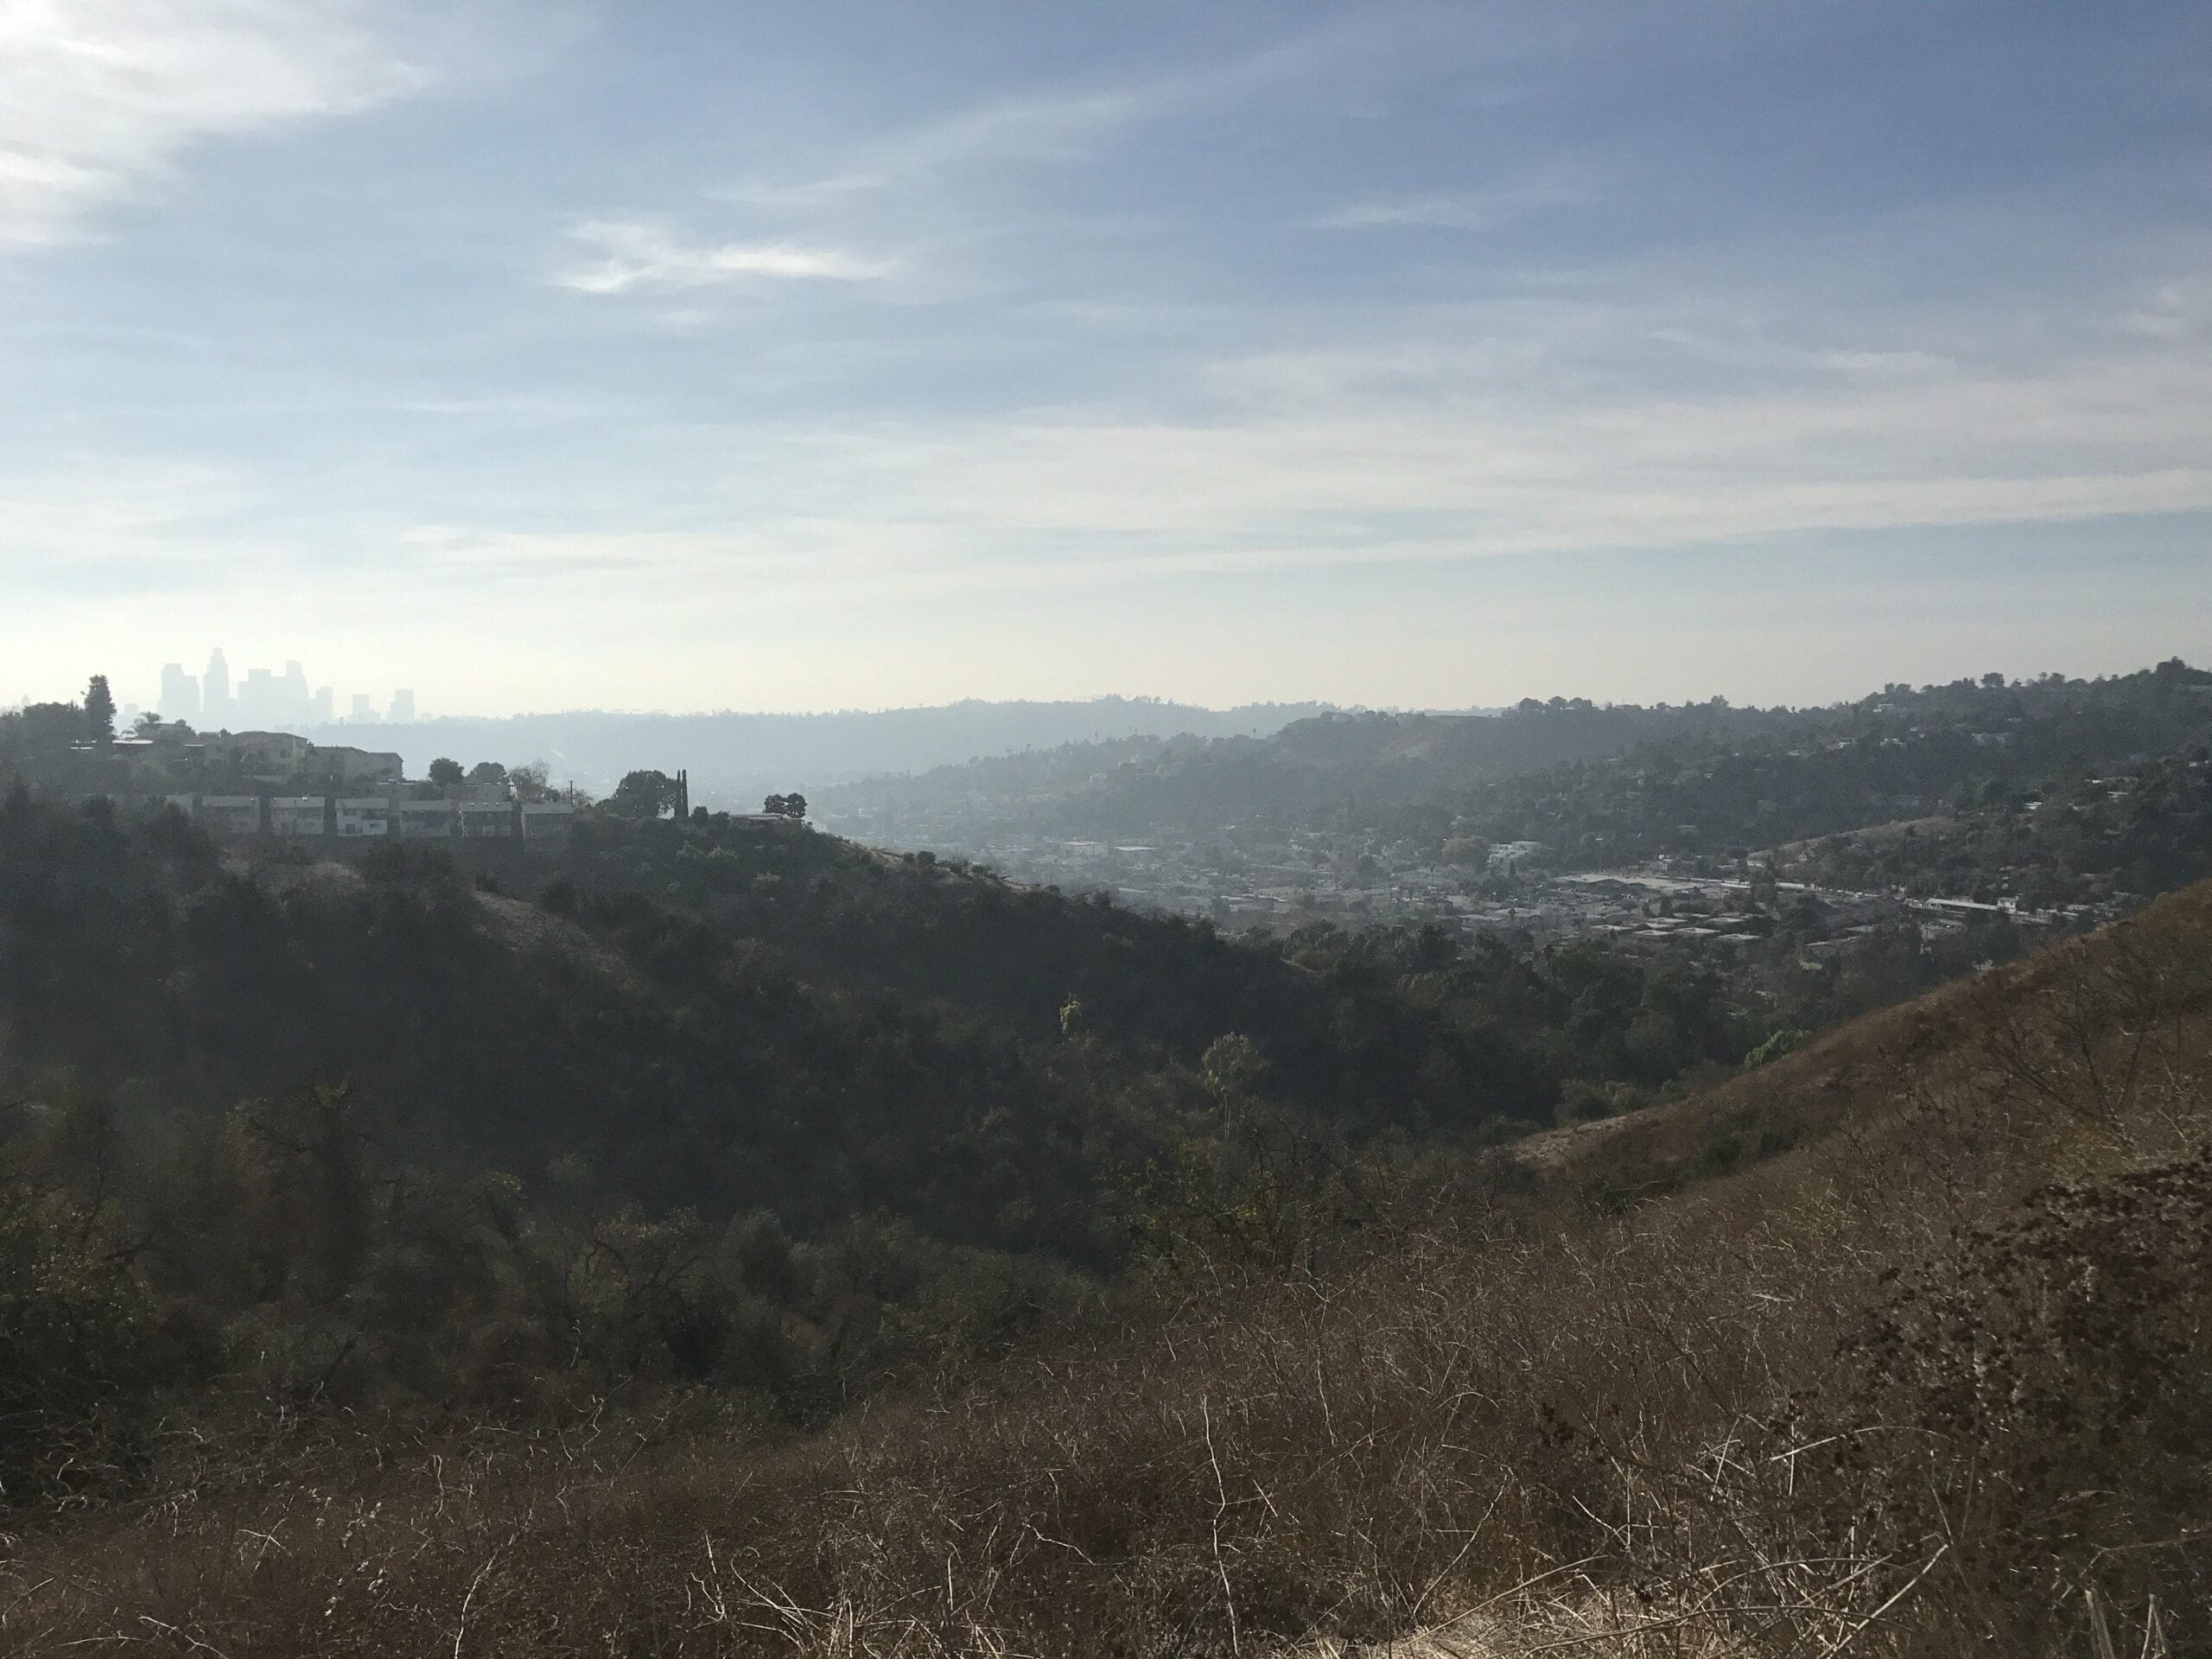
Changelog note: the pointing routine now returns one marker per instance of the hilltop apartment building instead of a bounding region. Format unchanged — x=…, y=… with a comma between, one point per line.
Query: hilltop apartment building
x=390, y=816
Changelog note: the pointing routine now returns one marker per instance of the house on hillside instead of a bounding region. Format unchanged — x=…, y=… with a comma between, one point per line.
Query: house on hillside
x=272, y=756
x=339, y=764
x=548, y=823
x=298, y=816
x=227, y=815
x=1510, y=856
x=489, y=821
x=367, y=815
x=437, y=820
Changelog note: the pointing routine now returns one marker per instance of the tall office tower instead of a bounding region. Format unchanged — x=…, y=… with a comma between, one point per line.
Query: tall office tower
x=259, y=705
x=323, y=702
x=180, y=693
x=215, y=689
x=298, y=701
x=362, y=714
x=402, y=707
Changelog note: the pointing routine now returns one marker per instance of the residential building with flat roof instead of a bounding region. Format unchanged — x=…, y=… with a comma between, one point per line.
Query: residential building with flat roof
x=425, y=820
x=363, y=816
x=301, y=815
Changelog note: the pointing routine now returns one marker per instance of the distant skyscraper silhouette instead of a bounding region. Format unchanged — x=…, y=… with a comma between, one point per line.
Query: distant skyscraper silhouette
x=259, y=705
x=215, y=689
x=402, y=707
x=296, y=702
x=180, y=693
x=261, y=701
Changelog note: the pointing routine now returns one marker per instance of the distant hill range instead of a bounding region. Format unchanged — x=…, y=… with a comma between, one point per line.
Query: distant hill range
x=1597, y=781
x=732, y=756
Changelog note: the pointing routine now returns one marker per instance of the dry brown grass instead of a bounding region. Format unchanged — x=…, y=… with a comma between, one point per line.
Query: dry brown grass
x=1661, y=1430
x=1941, y=1044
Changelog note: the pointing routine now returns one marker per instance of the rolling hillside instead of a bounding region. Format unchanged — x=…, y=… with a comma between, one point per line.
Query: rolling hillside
x=1975, y=1033
x=1595, y=784
x=806, y=1121
x=1897, y=1344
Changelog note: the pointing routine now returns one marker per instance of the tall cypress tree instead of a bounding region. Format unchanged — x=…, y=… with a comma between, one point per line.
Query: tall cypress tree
x=99, y=709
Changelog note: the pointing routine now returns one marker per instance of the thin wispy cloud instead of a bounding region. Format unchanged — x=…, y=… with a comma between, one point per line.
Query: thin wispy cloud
x=1071, y=123
x=624, y=256
x=1029, y=131
x=2179, y=309
x=805, y=193
x=111, y=523
x=100, y=98
x=1434, y=212
x=1554, y=184
x=915, y=182
x=1344, y=464
x=1491, y=474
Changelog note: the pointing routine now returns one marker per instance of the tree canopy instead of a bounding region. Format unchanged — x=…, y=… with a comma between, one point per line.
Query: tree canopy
x=645, y=795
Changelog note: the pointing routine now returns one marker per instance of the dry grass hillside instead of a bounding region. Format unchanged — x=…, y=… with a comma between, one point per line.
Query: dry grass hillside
x=1900, y=1346
x=1972, y=1031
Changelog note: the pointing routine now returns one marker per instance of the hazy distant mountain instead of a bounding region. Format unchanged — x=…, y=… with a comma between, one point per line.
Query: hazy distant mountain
x=732, y=756
x=1306, y=769
x=1567, y=771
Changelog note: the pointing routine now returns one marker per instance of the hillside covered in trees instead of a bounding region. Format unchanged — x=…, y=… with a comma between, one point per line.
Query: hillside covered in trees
x=1597, y=784
x=393, y=1264
x=809, y=1115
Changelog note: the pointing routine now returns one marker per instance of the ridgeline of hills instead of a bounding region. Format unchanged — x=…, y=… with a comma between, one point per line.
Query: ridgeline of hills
x=1607, y=786
x=787, y=1263
x=734, y=757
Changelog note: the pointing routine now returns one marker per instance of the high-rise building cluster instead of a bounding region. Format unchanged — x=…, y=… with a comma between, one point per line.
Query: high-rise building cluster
x=263, y=700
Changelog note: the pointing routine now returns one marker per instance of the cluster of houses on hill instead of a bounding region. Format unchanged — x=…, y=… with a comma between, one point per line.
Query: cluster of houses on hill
x=361, y=794
x=261, y=757
x=395, y=815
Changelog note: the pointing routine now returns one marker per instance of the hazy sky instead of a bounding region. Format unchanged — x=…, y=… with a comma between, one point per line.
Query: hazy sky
x=545, y=355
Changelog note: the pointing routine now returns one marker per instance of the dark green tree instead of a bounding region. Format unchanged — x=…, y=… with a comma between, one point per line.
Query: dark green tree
x=99, y=710
x=443, y=770
x=644, y=795
x=42, y=728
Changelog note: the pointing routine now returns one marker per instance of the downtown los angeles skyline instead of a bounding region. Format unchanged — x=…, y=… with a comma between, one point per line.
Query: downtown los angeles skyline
x=259, y=697
x=695, y=357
